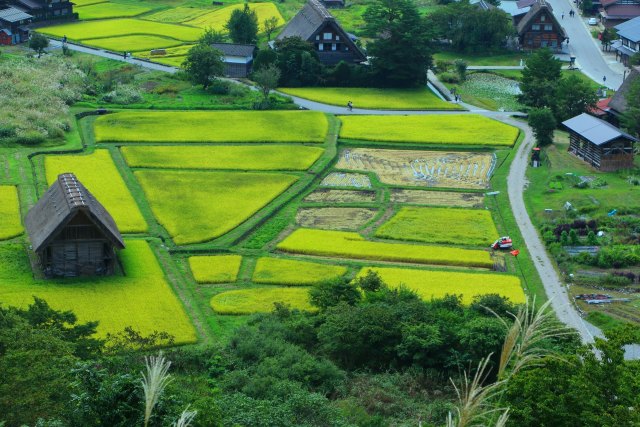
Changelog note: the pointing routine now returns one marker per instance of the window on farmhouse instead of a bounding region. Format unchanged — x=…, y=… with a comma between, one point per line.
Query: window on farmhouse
x=548, y=27
x=326, y=36
x=543, y=18
x=535, y=27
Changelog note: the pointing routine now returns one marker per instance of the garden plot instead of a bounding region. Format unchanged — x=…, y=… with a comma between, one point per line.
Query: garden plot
x=215, y=269
x=90, y=30
x=133, y=43
x=342, y=244
x=340, y=179
x=437, y=284
x=335, y=218
x=142, y=299
x=289, y=272
x=329, y=195
x=212, y=126
x=440, y=225
x=10, y=225
x=422, y=168
x=255, y=157
x=218, y=18
x=110, y=10
x=261, y=300
x=454, y=129
x=99, y=174
x=437, y=198
x=196, y=207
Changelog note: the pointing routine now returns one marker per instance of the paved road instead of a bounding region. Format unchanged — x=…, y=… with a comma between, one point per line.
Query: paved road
x=585, y=48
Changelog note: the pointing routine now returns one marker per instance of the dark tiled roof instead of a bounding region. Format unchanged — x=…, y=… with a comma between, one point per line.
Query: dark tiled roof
x=32, y=4
x=622, y=11
x=62, y=201
x=234, y=49
x=630, y=29
x=525, y=3
x=608, y=2
x=307, y=21
x=13, y=15
x=619, y=101
x=595, y=130
x=539, y=7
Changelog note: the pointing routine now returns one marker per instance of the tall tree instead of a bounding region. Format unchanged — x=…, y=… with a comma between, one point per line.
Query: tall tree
x=574, y=97
x=211, y=36
x=243, y=25
x=266, y=78
x=203, y=64
x=270, y=25
x=631, y=117
x=400, y=53
x=298, y=62
x=540, y=79
x=543, y=124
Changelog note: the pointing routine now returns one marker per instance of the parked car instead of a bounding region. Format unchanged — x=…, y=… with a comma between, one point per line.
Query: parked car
x=593, y=21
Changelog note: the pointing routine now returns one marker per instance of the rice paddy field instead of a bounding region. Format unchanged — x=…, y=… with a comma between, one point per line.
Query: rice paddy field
x=107, y=185
x=289, y=272
x=437, y=198
x=142, y=299
x=110, y=10
x=10, y=225
x=462, y=129
x=342, y=244
x=212, y=126
x=218, y=18
x=261, y=300
x=437, y=284
x=473, y=227
x=196, y=207
x=371, y=98
x=215, y=269
x=135, y=43
x=226, y=157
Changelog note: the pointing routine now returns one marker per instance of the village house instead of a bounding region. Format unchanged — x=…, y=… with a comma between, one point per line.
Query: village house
x=316, y=25
x=71, y=233
x=13, y=26
x=618, y=104
x=237, y=58
x=45, y=10
x=615, y=12
x=538, y=27
x=602, y=145
x=629, y=42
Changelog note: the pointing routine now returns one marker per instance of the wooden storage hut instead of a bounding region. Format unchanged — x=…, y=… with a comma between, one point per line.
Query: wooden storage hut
x=599, y=143
x=71, y=233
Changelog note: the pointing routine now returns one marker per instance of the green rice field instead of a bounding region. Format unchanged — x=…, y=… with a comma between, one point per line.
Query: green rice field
x=10, y=225
x=260, y=300
x=110, y=10
x=218, y=18
x=280, y=271
x=215, y=269
x=134, y=43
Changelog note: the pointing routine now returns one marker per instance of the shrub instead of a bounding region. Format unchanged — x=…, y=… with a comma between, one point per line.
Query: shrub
x=449, y=77
x=123, y=95
x=615, y=281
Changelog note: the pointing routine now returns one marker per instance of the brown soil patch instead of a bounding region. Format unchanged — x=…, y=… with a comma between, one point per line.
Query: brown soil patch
x=327, y=195
x=437, y=198
x=348, y=219
x=340, y=179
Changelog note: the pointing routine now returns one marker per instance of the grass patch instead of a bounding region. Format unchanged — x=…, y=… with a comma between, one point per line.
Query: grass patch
x=212, y=126
x=133, y=43
x=604, y=321
x=436, y=284
x=215, y=269
x=467, y=129
x=259, y=157
x=110, y=10
x=218, y=18
x=142, y=299
x=294, y=273
x=352, y=245
x=500, y=59
x=387, y=99
x=196, y=207
x=99, y=174
x=120, y=27
x=260, y=300
x=440, y=225
x=10, y=225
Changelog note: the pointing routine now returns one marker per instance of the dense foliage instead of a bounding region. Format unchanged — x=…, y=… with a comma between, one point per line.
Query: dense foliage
x=243, y=25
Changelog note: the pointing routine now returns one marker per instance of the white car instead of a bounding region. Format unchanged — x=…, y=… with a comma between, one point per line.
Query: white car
x=592, y=21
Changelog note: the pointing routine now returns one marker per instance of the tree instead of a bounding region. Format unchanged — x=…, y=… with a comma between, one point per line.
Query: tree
x=265, y=58
x=586, y=6
x=266, y=78
x=298, y=62
x=461, y=69
x=270, y=25
x=333, y=292
x=211, y=36
x=243, y=25
x=574, y=97
x=607, y=37
x=631, y=117
x=400, y=52
x=543, y=124
x=39, y=43
x=540, y=79
x=203, y=64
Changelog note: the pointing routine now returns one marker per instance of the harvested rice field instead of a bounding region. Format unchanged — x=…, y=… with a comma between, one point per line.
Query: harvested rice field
x=261, y=300
x=215, y=269
x=422, y=168
x=457, y=129
x=350, y=219
x=133, y=43
x=278, y=271
x=437, y=198
x=195, y=207
x=229, y=157
x=457, y=226
x=329, y=195
x=142, y=299
x=110, y=10
x=101, y=177
x=342, y=244
x=341, y=179
x=212, y=126
x=218, y=18
x=437, y=284
x=10, y=224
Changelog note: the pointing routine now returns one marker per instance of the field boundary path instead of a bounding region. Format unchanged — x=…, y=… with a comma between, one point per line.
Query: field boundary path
x=516, y=184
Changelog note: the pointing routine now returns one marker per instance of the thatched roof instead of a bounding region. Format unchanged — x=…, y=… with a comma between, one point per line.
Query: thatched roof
x=307, y=22
x=619, y=100
x=60, y=204
x=538, y=8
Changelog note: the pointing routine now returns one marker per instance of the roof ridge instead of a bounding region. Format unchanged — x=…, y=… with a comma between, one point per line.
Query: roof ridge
x=74, y=192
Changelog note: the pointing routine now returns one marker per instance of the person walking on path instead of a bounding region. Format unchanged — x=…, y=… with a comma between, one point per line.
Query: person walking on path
x=562, y=15
x=350, y=106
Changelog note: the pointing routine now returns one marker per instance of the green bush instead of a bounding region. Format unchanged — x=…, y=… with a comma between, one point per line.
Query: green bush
x=615, y=281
